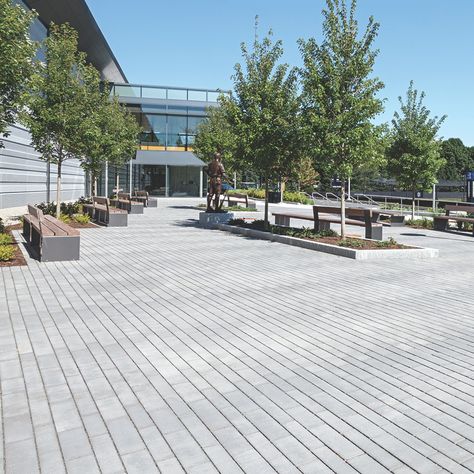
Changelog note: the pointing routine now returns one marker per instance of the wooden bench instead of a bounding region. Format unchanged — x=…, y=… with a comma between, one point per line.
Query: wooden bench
x=323, y=216
x=127, y=203
x=102, y=212
x=238, y=198
x=144, y=197
x=442, y=222
x=54, y=240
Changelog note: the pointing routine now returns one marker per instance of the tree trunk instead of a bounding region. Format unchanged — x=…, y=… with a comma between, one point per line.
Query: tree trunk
x=343, y=209
x=413, y=205
x=58, y=191
x=266, y=204
x=93, y=185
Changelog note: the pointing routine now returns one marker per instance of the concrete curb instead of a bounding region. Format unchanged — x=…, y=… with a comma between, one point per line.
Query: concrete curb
x=381, y=254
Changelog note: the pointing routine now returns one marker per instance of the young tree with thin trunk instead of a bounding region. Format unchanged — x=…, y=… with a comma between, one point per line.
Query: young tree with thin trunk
x=413, y=156
x=16, y=61
x=263, y=112
x=56, y=106
x=215, y=134
x=108, y=133
x=339, y=96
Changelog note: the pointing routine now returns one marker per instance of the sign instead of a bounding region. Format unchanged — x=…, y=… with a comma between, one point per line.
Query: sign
x=470, y=175
x=419, y=194
x=336, y=183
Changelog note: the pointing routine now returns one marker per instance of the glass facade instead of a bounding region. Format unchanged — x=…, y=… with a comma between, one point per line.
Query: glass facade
x=38, y=31
x=171, y=129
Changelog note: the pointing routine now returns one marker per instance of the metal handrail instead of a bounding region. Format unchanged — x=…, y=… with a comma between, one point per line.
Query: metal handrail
x=369, y=199
x=319, y=196
x=334, y=195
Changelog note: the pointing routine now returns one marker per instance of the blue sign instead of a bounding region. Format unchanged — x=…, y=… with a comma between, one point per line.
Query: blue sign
x=470, y=175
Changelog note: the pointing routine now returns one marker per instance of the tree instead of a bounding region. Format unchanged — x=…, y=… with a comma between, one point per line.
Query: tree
x=57, y=106
x=108, y=133
x=263, y=112
x=414, y=154
x=339, y=96
x=16, y=61
x=457, y=158
x=215, y=134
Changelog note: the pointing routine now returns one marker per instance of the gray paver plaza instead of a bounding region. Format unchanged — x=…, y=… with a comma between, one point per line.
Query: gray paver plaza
x=124, y=361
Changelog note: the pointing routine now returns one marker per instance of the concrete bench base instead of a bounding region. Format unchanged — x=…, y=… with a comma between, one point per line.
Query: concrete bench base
x=60, y=249
x=152, y=202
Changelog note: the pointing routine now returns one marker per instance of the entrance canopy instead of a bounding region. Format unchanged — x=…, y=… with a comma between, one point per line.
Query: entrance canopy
x=170, y=158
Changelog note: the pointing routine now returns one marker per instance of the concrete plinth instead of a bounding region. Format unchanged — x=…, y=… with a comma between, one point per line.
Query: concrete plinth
x=211, y=219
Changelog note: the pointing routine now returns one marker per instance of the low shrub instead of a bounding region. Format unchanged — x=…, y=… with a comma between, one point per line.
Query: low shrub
x=82, y=218
x=67, y=209
x=2, y=226
x=420, y=223
x=65, y=218
x=6, y=239
x=289, y=196
x=7, y=252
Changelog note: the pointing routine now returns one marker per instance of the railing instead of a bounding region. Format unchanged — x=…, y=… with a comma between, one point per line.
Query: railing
x=138, y=91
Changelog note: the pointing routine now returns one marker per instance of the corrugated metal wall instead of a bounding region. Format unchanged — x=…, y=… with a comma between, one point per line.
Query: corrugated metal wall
x=23, y=175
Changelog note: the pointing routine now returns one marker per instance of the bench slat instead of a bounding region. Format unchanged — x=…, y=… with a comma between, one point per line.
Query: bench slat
x=63, y=226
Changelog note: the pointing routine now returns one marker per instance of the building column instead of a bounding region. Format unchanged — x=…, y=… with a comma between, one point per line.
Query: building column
x=200, y=183
x=167, y=181
x=106, y=185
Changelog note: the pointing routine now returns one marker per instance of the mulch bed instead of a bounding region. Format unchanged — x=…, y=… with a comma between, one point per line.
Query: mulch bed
x=18, y=259
x=89, y=225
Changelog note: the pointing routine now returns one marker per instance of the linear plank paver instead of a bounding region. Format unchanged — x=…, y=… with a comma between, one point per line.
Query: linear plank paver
x=125, y=361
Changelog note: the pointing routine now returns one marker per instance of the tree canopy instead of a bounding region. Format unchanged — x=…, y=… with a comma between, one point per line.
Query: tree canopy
x=414, y=153
x=339, y=96
x=16, y=61
x=263, y=111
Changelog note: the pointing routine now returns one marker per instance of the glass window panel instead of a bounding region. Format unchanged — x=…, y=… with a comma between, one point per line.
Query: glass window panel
x=126, y=91
x=177, y=94
x=153, y=93
x=213, y=96
x=197, y=95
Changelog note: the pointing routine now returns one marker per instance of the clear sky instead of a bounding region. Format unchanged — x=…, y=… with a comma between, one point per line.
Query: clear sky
x=195, y=43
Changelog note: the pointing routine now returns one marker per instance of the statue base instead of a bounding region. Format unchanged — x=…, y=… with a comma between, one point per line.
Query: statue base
x=211, y=219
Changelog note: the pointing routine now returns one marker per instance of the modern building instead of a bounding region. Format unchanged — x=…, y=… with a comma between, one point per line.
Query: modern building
x=165, y=164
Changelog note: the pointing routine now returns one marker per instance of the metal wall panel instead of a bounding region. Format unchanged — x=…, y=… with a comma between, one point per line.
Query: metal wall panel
x=23, y=175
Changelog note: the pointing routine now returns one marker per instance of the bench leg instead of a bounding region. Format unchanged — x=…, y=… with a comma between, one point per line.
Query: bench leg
x=282, y=220
x=440, y=224
x=374, y=232
x=320, y=226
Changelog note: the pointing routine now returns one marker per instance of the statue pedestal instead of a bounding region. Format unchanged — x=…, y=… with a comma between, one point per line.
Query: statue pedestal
x=211, y=219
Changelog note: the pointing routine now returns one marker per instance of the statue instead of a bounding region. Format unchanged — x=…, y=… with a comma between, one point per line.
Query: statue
x=216, y=172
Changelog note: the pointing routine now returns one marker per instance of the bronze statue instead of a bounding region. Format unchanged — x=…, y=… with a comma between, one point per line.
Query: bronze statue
x=216, y=172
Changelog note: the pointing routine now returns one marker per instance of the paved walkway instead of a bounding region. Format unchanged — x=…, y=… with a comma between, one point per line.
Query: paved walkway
x=127, y=361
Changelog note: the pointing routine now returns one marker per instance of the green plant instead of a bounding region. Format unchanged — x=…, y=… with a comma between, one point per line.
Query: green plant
x=391, y=242
x=6, y=239
x=7, y=252
x=82, y=218
x=352, y=243
x=420, y=223
x=65, y=218
x=237, y=222
x=2, y=226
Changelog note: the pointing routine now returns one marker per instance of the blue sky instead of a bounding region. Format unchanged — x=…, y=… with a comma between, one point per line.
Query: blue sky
x=195, y=43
